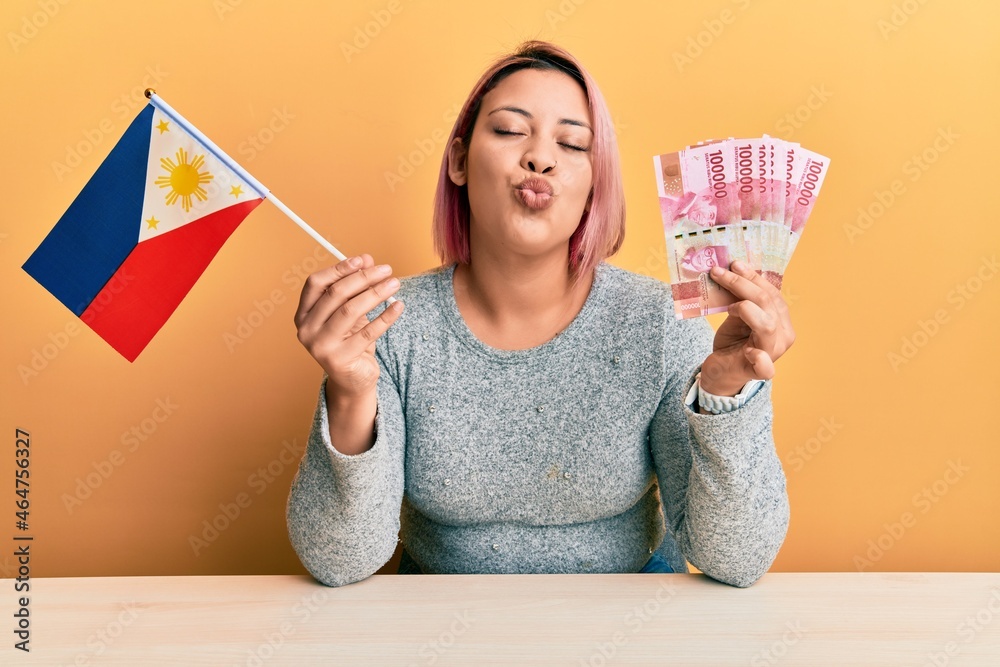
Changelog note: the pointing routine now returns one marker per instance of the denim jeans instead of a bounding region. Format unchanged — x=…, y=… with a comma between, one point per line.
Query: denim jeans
x=656, y=563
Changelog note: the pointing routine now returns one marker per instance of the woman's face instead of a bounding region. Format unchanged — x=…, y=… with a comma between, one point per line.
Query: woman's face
x=528, y=165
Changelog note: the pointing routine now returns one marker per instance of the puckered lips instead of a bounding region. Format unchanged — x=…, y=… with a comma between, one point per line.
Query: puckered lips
x=535, y=193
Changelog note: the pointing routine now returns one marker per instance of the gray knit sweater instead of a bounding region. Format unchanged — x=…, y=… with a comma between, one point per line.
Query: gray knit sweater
x=566, y=457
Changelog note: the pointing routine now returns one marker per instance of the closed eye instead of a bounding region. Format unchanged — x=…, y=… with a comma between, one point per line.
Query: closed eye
x=574, y=147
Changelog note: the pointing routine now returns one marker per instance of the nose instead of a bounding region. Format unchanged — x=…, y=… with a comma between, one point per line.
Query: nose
x=538, y=160
x=544, y=170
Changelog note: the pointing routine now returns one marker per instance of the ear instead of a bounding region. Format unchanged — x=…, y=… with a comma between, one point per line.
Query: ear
x=457, y=167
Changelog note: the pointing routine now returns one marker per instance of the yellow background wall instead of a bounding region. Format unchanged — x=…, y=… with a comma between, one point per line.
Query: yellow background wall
x=892, y=462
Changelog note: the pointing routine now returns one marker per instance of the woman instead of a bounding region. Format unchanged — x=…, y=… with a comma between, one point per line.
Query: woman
x=532, y=407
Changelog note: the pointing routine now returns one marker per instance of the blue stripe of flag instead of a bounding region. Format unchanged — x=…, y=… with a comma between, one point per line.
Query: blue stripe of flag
x=101, y=227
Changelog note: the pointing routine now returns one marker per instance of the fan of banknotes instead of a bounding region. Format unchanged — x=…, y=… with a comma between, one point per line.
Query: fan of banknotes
x=733, y=199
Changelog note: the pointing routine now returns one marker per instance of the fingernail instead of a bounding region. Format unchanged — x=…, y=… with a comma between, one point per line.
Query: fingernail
x=382, y=269
x=738, y=265
x=716, y=271
x=354, y=262
x=392, y=284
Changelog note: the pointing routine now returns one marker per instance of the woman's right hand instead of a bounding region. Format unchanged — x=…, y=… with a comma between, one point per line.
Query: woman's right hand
x=332, y=325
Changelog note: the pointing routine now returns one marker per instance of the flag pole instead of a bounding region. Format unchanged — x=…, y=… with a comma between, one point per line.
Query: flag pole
x=257, y=186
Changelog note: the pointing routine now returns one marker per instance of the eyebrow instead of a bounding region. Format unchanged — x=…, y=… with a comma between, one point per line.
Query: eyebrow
x=527, y=114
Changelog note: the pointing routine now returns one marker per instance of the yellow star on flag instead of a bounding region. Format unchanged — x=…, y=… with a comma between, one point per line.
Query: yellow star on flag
x=163, y=126
x=236, y=191
x=152, y=222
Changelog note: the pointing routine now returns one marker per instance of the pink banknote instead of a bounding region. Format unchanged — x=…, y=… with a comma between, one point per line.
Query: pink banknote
x=778, y=150
x=690, y=258
x=747, y=178
x=722, y=200
x=793, y=158
x=697, y=188
x=807, y=179
x=748, y=183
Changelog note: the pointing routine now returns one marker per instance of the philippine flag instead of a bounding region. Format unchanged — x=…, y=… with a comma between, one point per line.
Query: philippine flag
x=142, y=231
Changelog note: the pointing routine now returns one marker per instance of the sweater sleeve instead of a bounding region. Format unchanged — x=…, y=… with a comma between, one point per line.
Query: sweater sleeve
x=721, y=482
x=343, y=511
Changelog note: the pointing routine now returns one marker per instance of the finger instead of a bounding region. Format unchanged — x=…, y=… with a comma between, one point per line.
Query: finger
x=745, y=283
x=333, y=303
x=761, y=362
x=742, y=286
x=362, y=321
x=742, y=281
x=317, y=283
x=369, y=334
x=775, y=301
x=764, y=324
x=343, y=319
x=775, y=310
x=754, y=276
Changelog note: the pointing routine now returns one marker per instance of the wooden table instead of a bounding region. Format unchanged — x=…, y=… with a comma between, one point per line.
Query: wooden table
x=592, y=620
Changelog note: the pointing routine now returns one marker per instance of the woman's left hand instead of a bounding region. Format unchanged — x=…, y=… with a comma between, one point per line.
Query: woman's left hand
x=756, y=333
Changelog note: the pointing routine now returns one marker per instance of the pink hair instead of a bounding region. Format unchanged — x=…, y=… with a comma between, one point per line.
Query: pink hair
x=602, y=228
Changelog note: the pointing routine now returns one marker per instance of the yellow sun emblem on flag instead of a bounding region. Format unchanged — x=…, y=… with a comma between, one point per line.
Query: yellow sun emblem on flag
x=184, y=179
